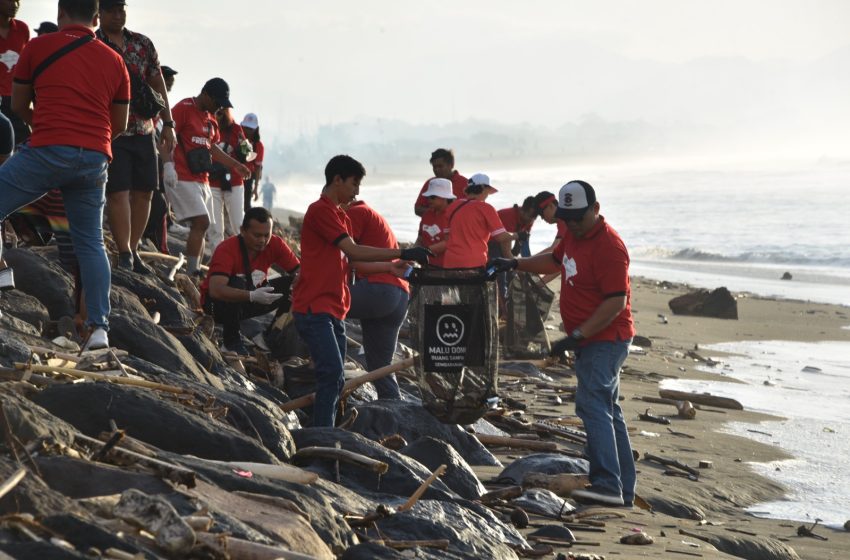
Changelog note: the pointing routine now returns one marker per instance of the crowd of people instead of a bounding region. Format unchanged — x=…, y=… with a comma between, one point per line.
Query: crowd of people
x=104, y=140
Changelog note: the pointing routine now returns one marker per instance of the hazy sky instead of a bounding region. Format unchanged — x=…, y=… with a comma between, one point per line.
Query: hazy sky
x=300, y=64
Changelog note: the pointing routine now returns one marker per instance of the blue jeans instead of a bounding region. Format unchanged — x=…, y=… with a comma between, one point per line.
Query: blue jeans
x=612, y=466
x=324, y=335
x=81, y=176
x=381, y=309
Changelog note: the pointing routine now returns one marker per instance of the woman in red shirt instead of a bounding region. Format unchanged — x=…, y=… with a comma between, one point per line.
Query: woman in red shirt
x=433, y=228
x=251, y=126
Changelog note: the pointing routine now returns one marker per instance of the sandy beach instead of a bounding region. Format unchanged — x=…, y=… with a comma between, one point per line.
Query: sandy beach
x=723, y=491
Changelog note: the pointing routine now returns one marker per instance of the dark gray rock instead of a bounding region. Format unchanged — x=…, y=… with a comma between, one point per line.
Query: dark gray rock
x=676, y=507
x=44, y=280
x=718, y=303
x=751, y=547
x=372, y=551
x=26, y=308
x=31, y=495
x=554, y=532
x=543, y=502
x=260, y=418
x=12, y=348
x=28, y=421
x=156, y=296
x=642, y=341
x=459, y=476
x=83, y=535
x=148, y=416
x=544, y=463
x=41, y=550
x=411, y=421
x=85, y=479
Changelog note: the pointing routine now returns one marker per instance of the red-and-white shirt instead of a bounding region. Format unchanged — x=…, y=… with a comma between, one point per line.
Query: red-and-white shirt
x=323, y=287
x=11, y=47
x=433, y=228
x=228, y=141
x=194, y=128
x=510, y=219
x=471, y=225
x=76, y=93
x=593, y=269
x=227, y=260
x=370, y=228
x=459, y=184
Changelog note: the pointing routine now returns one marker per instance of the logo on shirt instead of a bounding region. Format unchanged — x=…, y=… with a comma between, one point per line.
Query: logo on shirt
x=432, y=229
x=9, y=58
x=450, y=329
x=570, y=268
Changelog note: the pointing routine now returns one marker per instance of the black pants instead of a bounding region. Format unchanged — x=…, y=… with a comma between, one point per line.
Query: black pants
x=229, y=314
x=157, y=228
x=249, y=192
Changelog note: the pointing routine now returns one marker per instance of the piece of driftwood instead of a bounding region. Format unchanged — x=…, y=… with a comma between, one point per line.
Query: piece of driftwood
x=561, y=484
x=701, y=398
x=181, y=260
x=516, y=443
x=441, y=544
x=10, y=483
x=175, y=473
x=507, y=493
x=9, y=374
x=680, y=434
x=189, y=290
x=93, y=355
x=343, y=455
x=287, y=473
x=684, y=409
x=440, y=471
x=671, y=463
x=350, y=385
x=648, y=416
x=167, y=258
x=575, y=436
x=239, y=549
x=101, y=377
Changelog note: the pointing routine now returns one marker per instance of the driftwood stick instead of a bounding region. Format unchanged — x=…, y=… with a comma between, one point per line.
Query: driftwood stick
x=117, y=361
x=701, y=398
x=508, y=493
x=100, y=377
x=96, y=355
x=164, y=257
x=671, y=463
x=175, y=473
x=177, y=266
x=565, y=432
x=516, y=443
x=239, y=549
x=343, y=455
x=9, y=374
x=561, y=484
x=350, y=385
x=442, y=544
x=685, y=409
x=694, y=535
x=189, y=290
x=10, y=483
x=422, y=488
x=288, y=473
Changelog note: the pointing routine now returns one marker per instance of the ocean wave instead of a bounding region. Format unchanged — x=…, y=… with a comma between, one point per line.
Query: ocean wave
x=809, y=258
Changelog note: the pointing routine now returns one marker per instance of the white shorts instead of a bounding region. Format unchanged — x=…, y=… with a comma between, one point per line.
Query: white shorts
x=190, y=199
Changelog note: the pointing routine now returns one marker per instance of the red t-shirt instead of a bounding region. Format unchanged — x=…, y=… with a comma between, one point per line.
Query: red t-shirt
x=76, y=93
x=227, y=260
x=510, y=219
x=323, y=287
x=229, y=141
x=471, y=225
x=195, y=129
x=10, y=51
x=593, y=269
x=459, y=184
x=433, y=228
x=370, y=228
x=260, y=150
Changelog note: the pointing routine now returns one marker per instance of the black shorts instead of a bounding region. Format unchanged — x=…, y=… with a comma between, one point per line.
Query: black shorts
x=134, y=164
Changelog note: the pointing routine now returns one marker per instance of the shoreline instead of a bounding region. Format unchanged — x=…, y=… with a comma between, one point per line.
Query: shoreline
x=723, y=492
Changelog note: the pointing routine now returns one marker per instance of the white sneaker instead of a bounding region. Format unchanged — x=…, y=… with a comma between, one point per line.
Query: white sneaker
x=7, y=279
x=97, y=340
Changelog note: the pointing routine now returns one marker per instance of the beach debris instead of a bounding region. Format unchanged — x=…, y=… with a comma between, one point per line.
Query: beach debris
x=663, y=318
x=560, y=484
x=639, y=538
x=422, y=488
x=684, y=408
x=557, y=532
x=786, y=276
x=706, y=399
x=699, y=358
x=516, y=443
x=543, y=502
x=542, y=463
x=641, y=341
x=648, y=416
x=759, y=432
x=803, y=531
x=671, y=463
x=459, y=476
x=703, y=464
x=644, y=433
x=519, y=518
x=155, y=515
x=680, y=434
x=341, y=455
x=9, y=484
x=718, y=303
x=240, y=549
x=811, y=369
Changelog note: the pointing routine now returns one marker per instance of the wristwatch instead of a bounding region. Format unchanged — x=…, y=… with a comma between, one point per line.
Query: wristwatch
x=168, y=123
x=577, y=334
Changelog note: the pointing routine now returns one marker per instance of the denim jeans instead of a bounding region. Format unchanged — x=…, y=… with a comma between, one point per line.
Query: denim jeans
x=381, y=309
x=324, y=335
x=612, y=466
x=81, y=176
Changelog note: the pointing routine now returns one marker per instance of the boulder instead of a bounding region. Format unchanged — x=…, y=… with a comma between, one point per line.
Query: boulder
x=26, y=308
x=43, y=279
x=459, y=476
x=156, y=296
x=718, y=303
x=544, y=463
x=750, y=547
x=77, y=479
x=543, y=502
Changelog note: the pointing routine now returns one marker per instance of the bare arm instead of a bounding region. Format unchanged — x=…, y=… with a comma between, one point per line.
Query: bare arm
x=158, y=84
x=397, y=268
x=607, y=311
x=543, y=263
x=22, y=95
x=118, y=114
x=218, y=155
x=505, y=240
x=219, y=290
x=357, y=252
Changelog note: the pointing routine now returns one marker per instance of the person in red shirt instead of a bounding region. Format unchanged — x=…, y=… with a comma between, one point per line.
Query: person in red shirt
x=596, y=310
x=83, y=100
x=186, y=177
x=14, y=34
x=443, y=163
x=251, y=125
x=238, y=287
x=321, y=298
x=519, y=220
x=433, y=228
x=472, y=223
x=379, y=300
x=226, y=184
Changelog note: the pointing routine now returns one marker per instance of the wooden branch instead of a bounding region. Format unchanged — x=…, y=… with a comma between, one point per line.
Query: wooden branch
x=565, y=432
x=287, y=473
x=442, y=544
x=685, y=409
x=343, y=455
x=671, y=463
x=9, y=374
x=144, y=383
x=10, y=483
x=239, y=549
x=422, y=488
x=508, y=493
x=561, y=484
x=189, y=290
x=177, y=266
x=350, y=385
x=701, y=398
x=167, y=258
x=516, y=443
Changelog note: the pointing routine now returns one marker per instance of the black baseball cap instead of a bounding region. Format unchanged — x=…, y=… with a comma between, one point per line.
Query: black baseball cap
x=106, y=4
x=219, y=91
x=574, y=199
x=46, y=27
x=168, y=71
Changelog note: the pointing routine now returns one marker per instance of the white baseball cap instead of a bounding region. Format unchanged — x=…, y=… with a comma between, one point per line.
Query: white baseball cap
x=481, y=180
x=439, y=187
x=251, y=121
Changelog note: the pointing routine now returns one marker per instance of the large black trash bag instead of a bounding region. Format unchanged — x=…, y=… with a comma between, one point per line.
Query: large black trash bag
x=455, y=331
x=529, y=304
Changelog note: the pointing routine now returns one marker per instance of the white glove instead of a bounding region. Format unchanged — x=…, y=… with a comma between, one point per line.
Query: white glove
x=169, y=175
x=264, y=295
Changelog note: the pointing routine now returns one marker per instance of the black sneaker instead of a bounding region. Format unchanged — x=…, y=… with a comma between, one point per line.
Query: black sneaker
x=596, y=496
x=125, y=261
x=139, y=265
